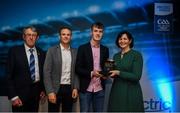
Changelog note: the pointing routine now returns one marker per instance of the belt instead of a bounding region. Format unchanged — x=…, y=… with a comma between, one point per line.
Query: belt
x=36, y=83
x=65, y=85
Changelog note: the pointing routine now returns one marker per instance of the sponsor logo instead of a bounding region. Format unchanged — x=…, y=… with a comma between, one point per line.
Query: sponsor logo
x=153, y=105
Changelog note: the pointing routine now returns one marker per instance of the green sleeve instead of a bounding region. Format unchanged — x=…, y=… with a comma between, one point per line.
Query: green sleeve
x=136, y=72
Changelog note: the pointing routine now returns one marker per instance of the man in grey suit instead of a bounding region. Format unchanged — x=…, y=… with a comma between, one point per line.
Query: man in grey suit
x=60, y=80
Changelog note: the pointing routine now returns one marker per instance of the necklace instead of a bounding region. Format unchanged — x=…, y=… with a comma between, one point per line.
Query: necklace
x=124, y=52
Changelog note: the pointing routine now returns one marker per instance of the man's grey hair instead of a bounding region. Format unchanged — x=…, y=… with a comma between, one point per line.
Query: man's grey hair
x=32, y=28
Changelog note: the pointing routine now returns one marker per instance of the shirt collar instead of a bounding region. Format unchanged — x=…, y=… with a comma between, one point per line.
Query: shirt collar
x=62, y=48
x=27, y=48
x=94, y=46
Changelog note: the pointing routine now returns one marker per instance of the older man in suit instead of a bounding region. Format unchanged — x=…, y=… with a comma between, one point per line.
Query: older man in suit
x=61, y=82
x=25, y=73
x=90, y=61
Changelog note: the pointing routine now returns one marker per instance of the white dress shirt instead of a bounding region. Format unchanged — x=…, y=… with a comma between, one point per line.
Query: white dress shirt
x=66, y=65
x=28, y=53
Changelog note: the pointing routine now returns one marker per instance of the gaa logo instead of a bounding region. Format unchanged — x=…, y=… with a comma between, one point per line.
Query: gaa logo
x=163, y=21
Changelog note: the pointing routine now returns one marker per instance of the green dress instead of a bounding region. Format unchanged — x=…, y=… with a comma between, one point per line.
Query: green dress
x=126, y=94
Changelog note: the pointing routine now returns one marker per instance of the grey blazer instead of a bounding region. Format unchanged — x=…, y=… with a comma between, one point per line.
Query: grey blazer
x=53, y=69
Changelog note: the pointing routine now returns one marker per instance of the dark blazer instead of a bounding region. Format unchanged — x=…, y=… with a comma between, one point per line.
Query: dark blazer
x=18, y=74
x=84, y=64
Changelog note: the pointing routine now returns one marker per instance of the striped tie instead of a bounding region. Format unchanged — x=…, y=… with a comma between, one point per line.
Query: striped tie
x=32, y=65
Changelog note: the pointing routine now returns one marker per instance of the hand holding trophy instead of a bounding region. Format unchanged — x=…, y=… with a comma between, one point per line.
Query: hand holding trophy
x=109, y=65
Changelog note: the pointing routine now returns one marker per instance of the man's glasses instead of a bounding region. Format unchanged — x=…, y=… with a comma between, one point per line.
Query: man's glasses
x=29, y=35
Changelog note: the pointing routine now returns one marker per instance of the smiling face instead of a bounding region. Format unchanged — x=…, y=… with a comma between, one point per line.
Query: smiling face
x=30, y=37
x=65, y=36
x=124, y=42
x=96, y=33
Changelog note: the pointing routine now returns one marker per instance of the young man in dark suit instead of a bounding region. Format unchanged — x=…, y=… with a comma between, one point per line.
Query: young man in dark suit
x=90, y=61
x=25, y=73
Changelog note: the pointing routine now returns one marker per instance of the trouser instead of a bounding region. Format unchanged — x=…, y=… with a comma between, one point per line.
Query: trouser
x=64, y=98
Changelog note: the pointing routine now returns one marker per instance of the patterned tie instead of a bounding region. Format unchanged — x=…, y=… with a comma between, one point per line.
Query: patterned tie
x=32, y=65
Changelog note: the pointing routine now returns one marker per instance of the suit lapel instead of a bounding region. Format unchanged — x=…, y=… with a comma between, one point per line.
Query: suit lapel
x=24, y=58
x=90, y=54
x=39, y=60
x=59, y=59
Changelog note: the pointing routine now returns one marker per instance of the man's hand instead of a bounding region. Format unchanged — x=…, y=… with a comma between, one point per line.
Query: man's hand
x=17, y=102
x=42, y=97
x=52, y=97
x=96, y=73
x=74, y=93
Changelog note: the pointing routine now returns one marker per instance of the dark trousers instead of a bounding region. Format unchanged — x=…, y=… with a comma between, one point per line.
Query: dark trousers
x=31, y=103
x=64, y=97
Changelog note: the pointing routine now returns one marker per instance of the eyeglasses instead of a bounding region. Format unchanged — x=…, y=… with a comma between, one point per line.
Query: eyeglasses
x=33, y=35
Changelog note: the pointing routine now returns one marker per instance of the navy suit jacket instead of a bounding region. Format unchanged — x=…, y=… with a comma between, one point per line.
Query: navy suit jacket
x=84, y=64
x=18, y=74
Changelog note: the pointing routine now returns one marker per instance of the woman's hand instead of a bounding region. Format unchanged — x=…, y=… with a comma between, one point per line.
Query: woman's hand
x=114, y=73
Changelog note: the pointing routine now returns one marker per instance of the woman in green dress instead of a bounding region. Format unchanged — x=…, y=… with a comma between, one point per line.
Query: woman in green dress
x=126, y=94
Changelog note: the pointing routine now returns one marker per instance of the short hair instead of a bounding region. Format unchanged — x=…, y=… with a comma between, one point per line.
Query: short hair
x=98, y=25
x=65, y=27
x=129, y=36
x=32, y=28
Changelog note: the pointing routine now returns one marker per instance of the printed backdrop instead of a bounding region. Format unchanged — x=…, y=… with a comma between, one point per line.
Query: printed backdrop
x=154, y=25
